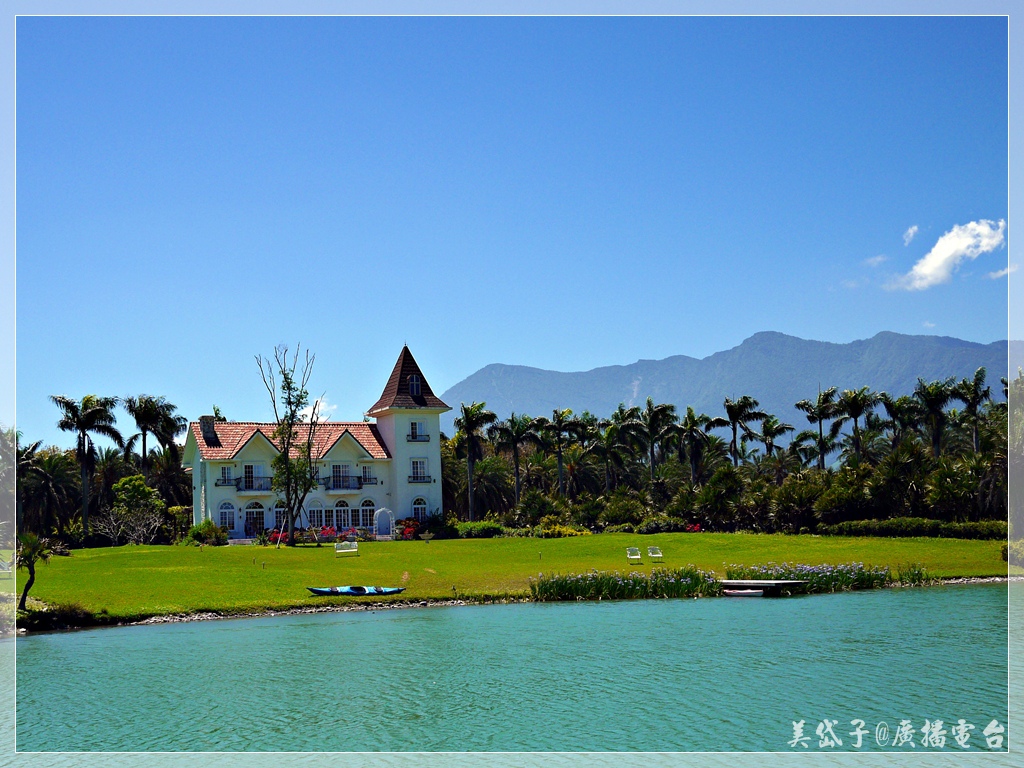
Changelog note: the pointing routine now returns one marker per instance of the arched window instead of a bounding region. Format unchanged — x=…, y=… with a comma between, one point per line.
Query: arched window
x=254, y=517
x=315, y=510
x=280, y=517
x=366, y=513
x=227, y=515
x=341, y=514
x=414, y=385
x=419, y=509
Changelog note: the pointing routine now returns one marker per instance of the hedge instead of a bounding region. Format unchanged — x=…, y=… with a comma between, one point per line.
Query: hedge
x=898, y=527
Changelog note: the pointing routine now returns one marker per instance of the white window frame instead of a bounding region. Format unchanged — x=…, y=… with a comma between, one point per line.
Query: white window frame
x=426, y=470
x=227, y=508
x=419, y=509
x=342, y=508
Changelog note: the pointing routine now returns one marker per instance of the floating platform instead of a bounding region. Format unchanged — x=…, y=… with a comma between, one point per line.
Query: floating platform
x=768, y=587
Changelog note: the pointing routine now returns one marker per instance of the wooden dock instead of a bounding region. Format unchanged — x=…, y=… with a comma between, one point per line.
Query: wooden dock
x=769, y=587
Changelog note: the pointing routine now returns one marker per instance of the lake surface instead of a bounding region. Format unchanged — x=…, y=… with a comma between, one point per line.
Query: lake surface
x=665, y=675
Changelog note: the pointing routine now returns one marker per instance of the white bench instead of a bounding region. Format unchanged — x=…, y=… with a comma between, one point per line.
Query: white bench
x=346, y=548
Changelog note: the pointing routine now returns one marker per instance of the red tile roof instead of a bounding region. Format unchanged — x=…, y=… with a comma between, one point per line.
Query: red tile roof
x=396, y=391
x=230, y=436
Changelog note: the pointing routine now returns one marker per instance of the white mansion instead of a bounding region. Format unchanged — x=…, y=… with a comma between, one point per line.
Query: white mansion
x=392, y=466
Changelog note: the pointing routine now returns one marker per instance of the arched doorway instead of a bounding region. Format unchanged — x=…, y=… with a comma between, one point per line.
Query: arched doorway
x=384, y=523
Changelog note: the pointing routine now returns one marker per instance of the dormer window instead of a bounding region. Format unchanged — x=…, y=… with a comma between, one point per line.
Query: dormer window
x=414, y=385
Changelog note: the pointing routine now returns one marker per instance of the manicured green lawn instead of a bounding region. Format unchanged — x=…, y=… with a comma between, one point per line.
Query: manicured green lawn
x=134, y=582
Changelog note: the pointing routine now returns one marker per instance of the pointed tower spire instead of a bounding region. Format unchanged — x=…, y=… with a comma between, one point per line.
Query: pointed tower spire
x=406, y=388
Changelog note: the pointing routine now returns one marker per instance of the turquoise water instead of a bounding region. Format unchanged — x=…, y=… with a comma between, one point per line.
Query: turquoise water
x=669, y=675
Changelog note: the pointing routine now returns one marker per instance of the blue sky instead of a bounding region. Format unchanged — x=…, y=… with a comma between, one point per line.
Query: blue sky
x=564, y=193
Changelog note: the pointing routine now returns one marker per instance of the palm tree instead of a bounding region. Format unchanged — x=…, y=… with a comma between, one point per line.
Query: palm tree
x=855, y=404
x=819, y=412
x=561, y=431
x=611, y=444
x=474, y=419
x=510, y=434
x=91, y=415
x=972, y=393
x=31, y=549
x=934, y=397
x=47, y=492
x=771, y=430
x=738, y=413
x=655, y=425
x=692, y=432
x=155, y=416
x=904, y=416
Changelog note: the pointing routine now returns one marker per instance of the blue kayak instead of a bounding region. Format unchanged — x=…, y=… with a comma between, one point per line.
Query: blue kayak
x=356, y=591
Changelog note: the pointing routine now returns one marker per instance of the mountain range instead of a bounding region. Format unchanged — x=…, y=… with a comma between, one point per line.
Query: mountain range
x=776, y=369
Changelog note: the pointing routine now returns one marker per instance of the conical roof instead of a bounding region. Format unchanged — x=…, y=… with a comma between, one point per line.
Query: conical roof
x=397, y=392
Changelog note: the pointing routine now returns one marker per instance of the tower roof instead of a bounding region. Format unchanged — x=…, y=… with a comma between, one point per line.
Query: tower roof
x=397, y=392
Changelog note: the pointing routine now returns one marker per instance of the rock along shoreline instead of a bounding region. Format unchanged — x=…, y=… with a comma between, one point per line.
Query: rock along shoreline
x=389, y=605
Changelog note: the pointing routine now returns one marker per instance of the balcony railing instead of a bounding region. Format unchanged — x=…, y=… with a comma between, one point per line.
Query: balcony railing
x=418, y=438
x=343, y=483
x=369, y=481
x=253, y=483
x=227, y=481
x=419, y=478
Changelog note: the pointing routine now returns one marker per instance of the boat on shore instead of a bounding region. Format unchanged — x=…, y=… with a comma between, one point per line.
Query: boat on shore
x=743, y=592
x=356, y=591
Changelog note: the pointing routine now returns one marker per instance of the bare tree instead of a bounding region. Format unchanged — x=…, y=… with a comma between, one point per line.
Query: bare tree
x=295, y=469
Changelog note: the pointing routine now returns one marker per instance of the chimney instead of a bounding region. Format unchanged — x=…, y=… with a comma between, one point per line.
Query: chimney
x=206, y=427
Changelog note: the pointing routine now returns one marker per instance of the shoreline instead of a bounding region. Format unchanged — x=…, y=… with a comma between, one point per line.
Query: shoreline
x=388, y=605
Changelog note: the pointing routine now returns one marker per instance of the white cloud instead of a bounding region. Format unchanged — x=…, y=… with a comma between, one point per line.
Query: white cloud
x=927, y=324
x=1003, y=272
x=909, y=235
x=964, y=241
x=850, y=284
x=325, y=409
x=874, y=261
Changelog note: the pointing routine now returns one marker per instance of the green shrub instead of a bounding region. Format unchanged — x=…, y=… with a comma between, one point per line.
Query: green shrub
x=1015, y=552
x=440, y=527
x=517, y=533
x=533, y=505
x=479, y=529
x=676, y=582
x=207, y=533
x=178, y=523
x=621, y=528
x=621, y=509
x=898, y=527
x=559, y=531
x=819, y=578
x=661, y=525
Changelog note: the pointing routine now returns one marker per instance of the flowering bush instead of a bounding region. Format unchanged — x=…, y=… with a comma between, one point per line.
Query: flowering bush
x=819, y=578
x=688, y=581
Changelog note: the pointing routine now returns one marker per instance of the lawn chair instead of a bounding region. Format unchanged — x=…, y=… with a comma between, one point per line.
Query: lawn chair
x=655, y=554
x=5, y=569
x=633, y=555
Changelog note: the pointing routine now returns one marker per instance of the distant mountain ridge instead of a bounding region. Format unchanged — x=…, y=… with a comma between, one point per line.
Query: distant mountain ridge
x=776, y=369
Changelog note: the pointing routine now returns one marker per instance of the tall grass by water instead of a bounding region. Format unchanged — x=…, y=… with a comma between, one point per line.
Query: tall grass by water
x=687, y=581
x=690, y=581
x=833, y=578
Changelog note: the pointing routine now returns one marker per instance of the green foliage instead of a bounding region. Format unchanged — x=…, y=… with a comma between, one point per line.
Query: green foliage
x=479, y=529
x=819, y=578
x=912, y=575
x=918, y=526
x=558, y=531
x=262, y=539
x=1015, y=552
x=207, y=533
x=621, y=528
x=533, y=505
x=662, y=524
x=660, y=583
x=180, y=520
x=622, y=508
